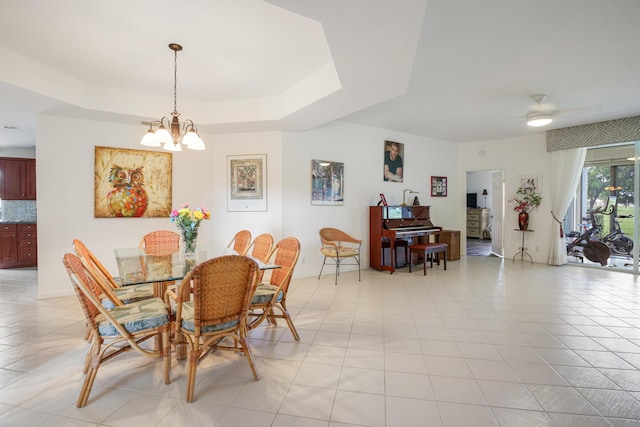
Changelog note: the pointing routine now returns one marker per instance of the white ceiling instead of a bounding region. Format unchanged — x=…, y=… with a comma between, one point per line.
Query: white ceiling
x=456, y=70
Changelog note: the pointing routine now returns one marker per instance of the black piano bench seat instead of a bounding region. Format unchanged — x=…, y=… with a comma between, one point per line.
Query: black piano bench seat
x=427, y=250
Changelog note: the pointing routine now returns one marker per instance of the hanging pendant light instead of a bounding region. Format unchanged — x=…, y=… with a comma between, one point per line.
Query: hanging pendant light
x=167, y=134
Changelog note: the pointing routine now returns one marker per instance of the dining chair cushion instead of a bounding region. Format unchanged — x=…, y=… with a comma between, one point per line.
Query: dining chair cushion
x=343, y=251
x=264, y=293
x=134, y=317
x=129, y=294
x=187, y=320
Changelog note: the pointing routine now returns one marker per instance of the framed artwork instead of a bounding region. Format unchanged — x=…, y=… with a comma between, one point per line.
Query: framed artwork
x=438, y=186
x=131, y=183
x=393, y=161
x=327, y=183
x=247, y=183
x=533, y=181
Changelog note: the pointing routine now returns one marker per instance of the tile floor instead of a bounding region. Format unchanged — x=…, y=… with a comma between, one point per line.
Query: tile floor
x=489, y=342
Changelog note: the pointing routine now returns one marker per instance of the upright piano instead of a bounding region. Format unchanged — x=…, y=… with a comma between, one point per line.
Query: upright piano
x=388, y=223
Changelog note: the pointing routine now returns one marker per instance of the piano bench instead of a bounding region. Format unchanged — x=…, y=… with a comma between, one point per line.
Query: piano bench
x=399, y=243
x=427, y=250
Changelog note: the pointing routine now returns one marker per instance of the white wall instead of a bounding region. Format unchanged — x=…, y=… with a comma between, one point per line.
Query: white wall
x=65, y=159
x=65, y=162
x=517, y=157
x=25, y=153
x=361, y=149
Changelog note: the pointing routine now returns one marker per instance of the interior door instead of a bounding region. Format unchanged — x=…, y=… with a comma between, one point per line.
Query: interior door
x=497, y=212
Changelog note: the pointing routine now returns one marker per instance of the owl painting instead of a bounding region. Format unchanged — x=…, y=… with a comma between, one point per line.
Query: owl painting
x=128, y=197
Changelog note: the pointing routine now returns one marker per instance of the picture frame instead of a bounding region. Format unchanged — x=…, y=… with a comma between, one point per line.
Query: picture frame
x=327, y=183
x=534, y=181
x=131, y=183
x=247, y=183
x=438, y=186
x=393, y=166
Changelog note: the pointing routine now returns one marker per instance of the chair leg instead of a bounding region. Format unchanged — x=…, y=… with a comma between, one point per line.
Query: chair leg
x=322, y=268
x=424, y=264
x=166, y=354
x=193, y=366
x=247, y=352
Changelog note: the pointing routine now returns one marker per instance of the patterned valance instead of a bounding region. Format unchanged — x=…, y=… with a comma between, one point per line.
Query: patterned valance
x=594, y=134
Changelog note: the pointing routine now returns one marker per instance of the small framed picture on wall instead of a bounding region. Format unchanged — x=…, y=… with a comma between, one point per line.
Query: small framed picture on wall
x=438, y=186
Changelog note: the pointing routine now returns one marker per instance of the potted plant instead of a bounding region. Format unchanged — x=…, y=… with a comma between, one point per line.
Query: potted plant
x=525, y=199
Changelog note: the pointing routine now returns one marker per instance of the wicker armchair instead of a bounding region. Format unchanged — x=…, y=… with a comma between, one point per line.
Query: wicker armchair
x=240, y=242
x=160, y=243
x=116, y=331
x=221, y=289
x=338, y=246
x=272, y=296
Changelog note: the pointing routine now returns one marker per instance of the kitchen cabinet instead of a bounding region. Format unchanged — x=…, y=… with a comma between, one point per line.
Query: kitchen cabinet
x=17, y=179
x=18, y=245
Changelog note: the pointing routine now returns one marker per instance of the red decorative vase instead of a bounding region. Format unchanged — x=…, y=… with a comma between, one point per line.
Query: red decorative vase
x=523, y=220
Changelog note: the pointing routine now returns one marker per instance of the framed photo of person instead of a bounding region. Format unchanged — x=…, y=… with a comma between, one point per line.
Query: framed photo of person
x=393, y=161
x=438, y=186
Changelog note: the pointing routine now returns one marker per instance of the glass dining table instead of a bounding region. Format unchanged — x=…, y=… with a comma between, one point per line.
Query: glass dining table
x=137, y=267
x=162, y=270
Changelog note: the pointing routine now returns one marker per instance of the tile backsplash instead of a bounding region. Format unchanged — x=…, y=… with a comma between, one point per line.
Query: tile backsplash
x=19, y=210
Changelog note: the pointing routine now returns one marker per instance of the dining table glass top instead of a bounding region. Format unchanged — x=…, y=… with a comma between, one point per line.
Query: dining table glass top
x=137, y=267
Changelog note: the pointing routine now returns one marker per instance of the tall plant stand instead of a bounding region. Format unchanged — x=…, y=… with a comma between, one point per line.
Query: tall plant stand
x=522, y=249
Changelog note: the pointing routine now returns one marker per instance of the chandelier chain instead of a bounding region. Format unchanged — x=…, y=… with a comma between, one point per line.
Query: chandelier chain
x=175, y=82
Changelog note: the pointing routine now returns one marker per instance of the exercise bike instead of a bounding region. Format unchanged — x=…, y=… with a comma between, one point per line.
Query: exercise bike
x=588, y=243
x=617, y=241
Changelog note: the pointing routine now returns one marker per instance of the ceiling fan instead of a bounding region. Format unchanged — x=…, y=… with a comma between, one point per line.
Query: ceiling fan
x=538, y=115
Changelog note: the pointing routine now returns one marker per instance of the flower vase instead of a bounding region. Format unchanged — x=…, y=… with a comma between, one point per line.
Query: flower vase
x=523, y=220
x=189, y=241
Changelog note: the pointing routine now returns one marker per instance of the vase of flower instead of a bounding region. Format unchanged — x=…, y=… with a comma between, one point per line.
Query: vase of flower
x=188, y=220
x=523, y=221
x=189, y=242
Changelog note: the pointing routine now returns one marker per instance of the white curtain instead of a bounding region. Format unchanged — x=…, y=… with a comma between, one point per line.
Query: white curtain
x=566, y=168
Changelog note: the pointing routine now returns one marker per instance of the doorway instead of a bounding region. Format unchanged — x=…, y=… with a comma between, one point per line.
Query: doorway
x=484, y=213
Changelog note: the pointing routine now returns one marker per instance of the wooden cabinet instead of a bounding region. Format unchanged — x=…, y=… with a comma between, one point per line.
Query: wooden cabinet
x=477, y=222
x=8, y=244
x=18, y=245
x=17, y=179
x=451, y=238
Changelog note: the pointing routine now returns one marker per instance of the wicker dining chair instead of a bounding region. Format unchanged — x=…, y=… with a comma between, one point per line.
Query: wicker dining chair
x=270, y=299
x=211, y=303
x=160, y=242
x=240, y=242
x=338, y=246
x=116, y=331
x=260, y=249
x=113, y=293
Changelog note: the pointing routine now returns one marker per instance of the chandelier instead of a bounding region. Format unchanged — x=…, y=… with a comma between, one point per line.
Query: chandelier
x=167, y=133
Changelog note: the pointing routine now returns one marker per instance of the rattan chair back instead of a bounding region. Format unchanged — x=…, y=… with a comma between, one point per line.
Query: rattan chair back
x=285, y=254
x=160, y=242
x=240, y=242
x=98, y=274
x=261, y=247
x=91, y=261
